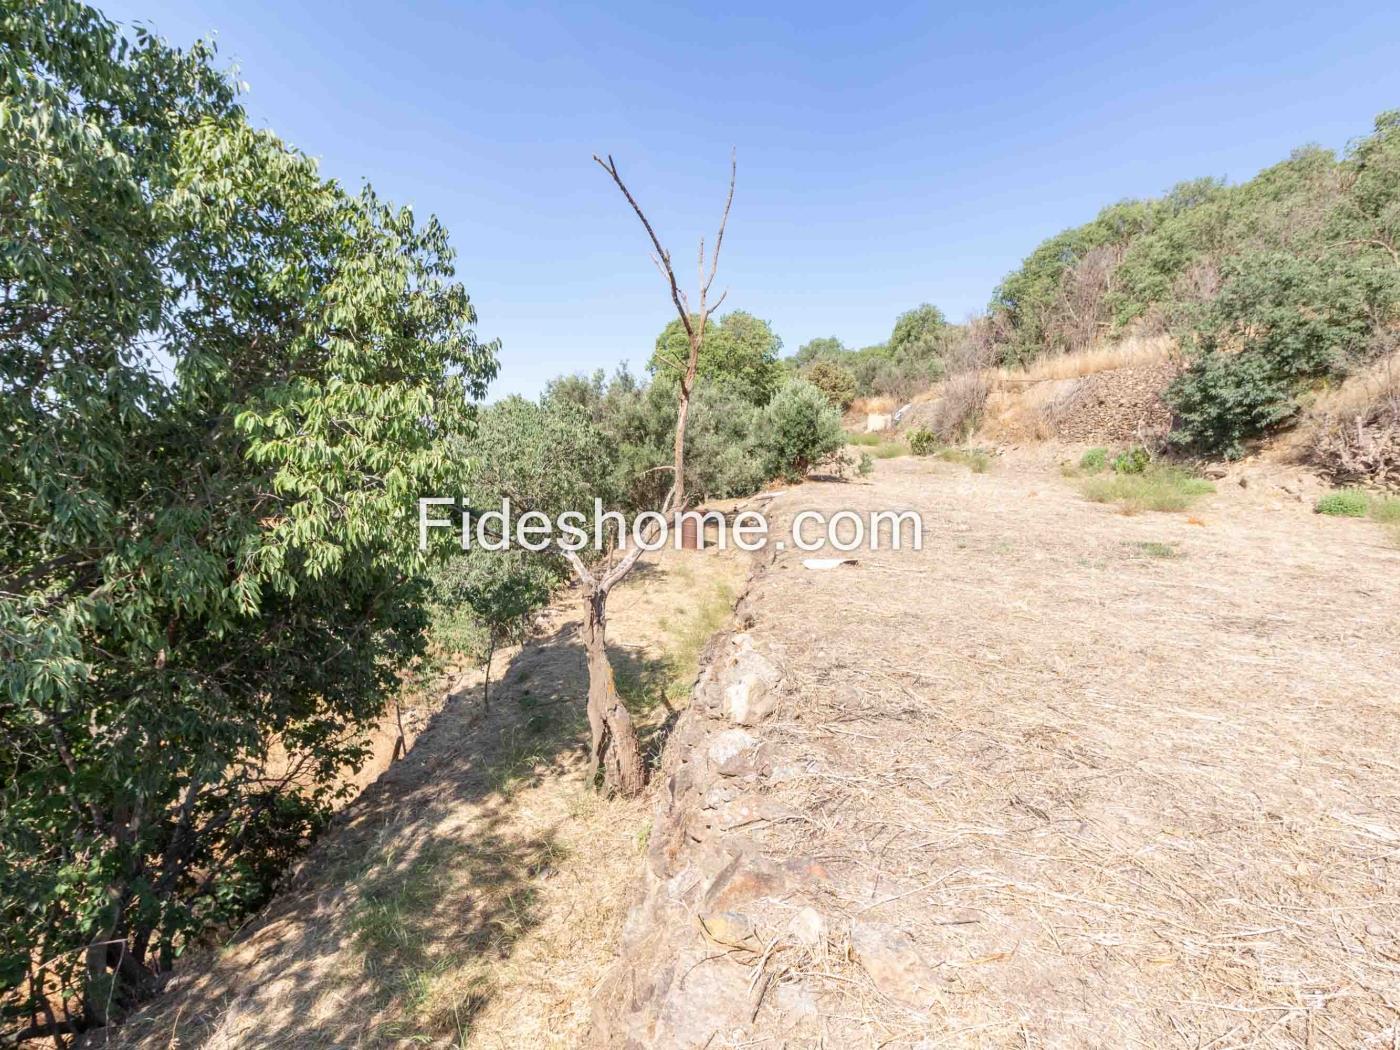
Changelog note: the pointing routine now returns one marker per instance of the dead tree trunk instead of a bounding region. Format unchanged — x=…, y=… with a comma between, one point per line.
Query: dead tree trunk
x=614, y=740
x=694, y=325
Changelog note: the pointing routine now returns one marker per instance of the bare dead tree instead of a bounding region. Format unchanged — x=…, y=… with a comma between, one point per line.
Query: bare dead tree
x=694, y=324
x=613, y=739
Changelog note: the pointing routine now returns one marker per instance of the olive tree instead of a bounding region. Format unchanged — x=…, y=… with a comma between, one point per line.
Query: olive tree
x=223, y=382
x=550, y=459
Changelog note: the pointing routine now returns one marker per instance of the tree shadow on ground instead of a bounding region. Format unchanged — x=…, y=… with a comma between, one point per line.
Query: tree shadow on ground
x=390, y=926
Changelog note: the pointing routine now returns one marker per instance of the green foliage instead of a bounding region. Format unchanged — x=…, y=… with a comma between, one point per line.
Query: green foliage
x=1094, y=460
x=824, y=348
x=919, y=334
x=923, y=442
x=1155, y=549
x=1133, y=460
x=1036, y=299
x=865, y=466
x=1159, y=487
x=1272, y=285
x=483, y=599
x=835, y=382
x=798, y=429
x=739, y=349
x=1278, y=322
x=204, y=569
x=973, y=459
x=1384, y=509
x=640, y=423
x=1348, y=503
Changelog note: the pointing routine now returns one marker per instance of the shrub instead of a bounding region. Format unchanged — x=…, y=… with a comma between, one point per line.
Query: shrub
x=1278, y=321
x=923, y=442
x=1347, y=503
x=1132, y=461
x=865, y=465
x=835, y=382
x=974, y=459
x=1386, y=510
x=1160, y=488
x=797, y=429
x=1094, y=461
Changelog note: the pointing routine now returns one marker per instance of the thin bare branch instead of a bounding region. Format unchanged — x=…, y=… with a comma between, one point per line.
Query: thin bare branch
x=724, y=219
x=677, y=297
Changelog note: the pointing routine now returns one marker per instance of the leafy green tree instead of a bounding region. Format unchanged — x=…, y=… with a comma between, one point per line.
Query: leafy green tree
x=207, y=568
x=1278, y=322
x=485, y=600
x=919, y=334
x=799, y=428
x=835, y=382
x=817, y=349
x=549, y=458
x=740, y=349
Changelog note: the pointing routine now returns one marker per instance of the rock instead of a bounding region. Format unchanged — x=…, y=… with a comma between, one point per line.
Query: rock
x=730, y=745
x=808, y=928
x=751, y=693
x=893, y=962
x=743, y=880
x=732, y=929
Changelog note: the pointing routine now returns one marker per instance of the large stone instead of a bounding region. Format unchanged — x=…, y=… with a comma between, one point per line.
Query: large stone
x=894, y=962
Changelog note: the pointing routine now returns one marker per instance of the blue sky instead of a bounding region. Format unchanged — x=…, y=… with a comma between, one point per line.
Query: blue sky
x=888, y=153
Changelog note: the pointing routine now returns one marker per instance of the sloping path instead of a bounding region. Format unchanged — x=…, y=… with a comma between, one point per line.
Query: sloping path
x=1065, y=778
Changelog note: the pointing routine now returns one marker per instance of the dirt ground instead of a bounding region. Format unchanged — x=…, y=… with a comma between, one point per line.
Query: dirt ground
x=471, y=895
x=1065, y=778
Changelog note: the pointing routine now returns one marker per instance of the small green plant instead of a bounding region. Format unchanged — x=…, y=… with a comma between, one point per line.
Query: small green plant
x=1160, y=488
x=923, y=442
x=1134, y=460
x=1386, y=510
x=865, y=465
x=1094, y=460
x=1153, y=549
x=863, y=439
x=974, y=459
x=890, y=450
x=1345, y=503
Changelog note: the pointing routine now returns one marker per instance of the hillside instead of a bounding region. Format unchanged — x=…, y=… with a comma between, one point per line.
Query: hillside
x=1064, y=778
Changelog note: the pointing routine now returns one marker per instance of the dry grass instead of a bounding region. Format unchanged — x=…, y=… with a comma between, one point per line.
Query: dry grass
x=1114, y=799
x=1159, y=488
x=1134, y=350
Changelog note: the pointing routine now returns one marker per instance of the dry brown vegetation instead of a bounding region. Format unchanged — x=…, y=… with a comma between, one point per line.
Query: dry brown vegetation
x=1064, y=779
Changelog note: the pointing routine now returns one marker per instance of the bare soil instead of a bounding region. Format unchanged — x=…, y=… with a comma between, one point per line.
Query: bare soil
x=1065, y=778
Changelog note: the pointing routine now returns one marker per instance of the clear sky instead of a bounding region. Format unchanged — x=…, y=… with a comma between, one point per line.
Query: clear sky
x=888, y=153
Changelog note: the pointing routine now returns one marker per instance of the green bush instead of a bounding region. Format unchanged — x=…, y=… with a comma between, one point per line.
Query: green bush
x=866, y=465
x=797, y=430
x=1094, y=461
x=835, y=382
x=1132, y=461
x=973, y=459
x=1278, y=322
x=923, y=442
x=1347, y=503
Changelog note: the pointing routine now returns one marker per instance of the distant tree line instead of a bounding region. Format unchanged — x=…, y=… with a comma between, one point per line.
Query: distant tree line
x=1273, y=287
